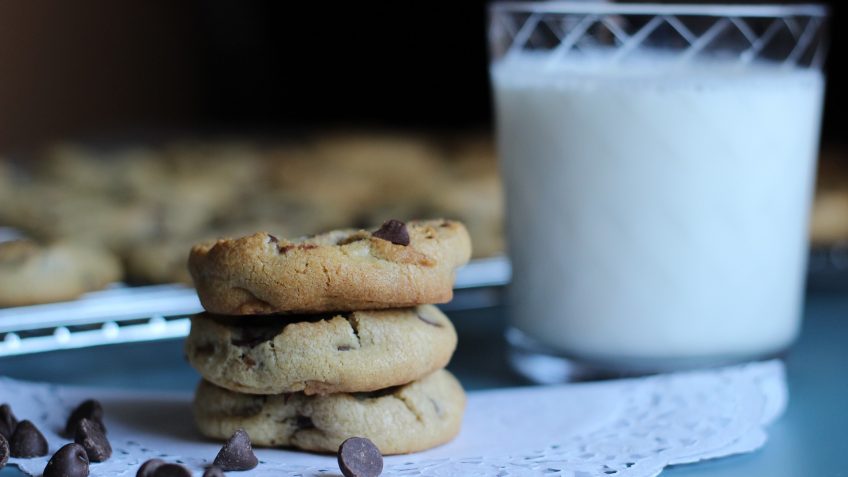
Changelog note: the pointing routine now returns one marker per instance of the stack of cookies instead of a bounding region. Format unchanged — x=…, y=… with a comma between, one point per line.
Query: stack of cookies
x=307, y=342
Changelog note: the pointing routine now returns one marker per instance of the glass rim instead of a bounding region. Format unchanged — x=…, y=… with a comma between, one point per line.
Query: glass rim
x=715, y=10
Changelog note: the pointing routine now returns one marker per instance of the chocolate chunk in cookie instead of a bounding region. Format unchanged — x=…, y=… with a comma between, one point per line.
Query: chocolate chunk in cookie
x=394, y=231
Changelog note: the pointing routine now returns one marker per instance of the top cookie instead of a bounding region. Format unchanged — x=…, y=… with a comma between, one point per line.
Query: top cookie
x=399, y=265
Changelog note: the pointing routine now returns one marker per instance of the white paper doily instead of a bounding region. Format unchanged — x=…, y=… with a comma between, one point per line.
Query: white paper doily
x=623, y=428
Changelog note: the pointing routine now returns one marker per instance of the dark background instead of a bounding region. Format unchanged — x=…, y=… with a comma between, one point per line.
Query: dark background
x=98, y=69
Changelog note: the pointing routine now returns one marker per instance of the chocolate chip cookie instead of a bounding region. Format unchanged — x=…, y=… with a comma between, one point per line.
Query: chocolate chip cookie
x=32, y=273
x=399, y=420
x=343, y=270
x=320, y=354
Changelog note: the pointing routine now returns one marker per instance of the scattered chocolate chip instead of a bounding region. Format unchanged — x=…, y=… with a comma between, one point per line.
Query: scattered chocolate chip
x=344, y=348
x=272, y=239
x=90, y=436
x=304, y=422
x=428, y=320
x=4, y=451
x=69, y=461
x=147, y=468
x=237, y=453
x=359, y=457
x=213, y=472
x=91, y=410
x=8, y=421
x=171, y=470
x=394, y=231
x=27, y=441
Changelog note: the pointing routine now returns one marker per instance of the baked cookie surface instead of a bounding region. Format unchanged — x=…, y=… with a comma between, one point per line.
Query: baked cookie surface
x=31, y=273
x=320, y=354
x=342, y=270
x=399, y=420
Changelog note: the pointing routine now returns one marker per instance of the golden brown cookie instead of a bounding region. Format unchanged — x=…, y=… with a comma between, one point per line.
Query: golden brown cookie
x=344, y=270
x=320, y=354
x=399, y=420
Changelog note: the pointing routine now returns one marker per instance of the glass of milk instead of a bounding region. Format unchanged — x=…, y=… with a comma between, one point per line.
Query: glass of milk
x=658, y=163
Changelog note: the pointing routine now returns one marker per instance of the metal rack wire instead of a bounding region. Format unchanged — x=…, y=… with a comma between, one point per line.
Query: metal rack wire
x=123, y=314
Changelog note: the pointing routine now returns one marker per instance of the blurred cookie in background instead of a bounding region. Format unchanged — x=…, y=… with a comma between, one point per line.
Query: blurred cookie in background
x=52, y=211
x=31, y=273
x=829, y=219
x=356, y=171
x=164, y=259
x=116, y=171
x=471, y=192
x=149, y=203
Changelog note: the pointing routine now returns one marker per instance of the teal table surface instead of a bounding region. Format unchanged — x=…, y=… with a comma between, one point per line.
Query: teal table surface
x=809, y=440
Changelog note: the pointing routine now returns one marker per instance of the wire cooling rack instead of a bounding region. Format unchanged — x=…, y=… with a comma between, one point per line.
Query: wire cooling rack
x=123, y=314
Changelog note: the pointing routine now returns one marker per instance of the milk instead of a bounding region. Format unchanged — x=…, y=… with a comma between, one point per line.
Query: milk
x=657, y=212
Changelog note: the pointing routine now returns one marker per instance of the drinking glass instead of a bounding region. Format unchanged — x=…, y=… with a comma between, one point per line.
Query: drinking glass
x=658, y=163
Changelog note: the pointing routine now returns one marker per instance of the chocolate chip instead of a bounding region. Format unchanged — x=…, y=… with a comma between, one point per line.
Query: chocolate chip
x=171, y=470
x=428, y=320
x=90, y=436
x=251, y=337
x=237, y=453
x=213, y=472
x=4, y=451
x=27, y=441
x=359, y=457
x=272, y=239
x=304, y=422
x=394, y=231
x=91, y=410
x=69, y=461
x=301, y=246
x=147, y=468
x=255, y=330
x=8, y=421
x=343, y=348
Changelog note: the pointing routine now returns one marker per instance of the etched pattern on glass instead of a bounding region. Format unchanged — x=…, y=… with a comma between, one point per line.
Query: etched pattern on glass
x=792, y=39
